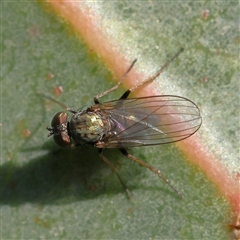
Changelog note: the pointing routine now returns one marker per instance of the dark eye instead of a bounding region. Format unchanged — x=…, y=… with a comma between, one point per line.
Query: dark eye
x=62, y=140
x=59, y=130
x=59, y=119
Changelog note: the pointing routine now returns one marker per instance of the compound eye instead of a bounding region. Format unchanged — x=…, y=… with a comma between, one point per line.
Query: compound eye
x=59, y=130
x=62, y=139
x=59, y=118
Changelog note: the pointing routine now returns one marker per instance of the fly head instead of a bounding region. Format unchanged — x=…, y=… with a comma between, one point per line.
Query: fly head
x=59, y=130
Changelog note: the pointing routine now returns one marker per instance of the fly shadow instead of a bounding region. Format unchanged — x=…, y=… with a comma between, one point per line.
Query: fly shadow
x=69, y=175
x=61, y=174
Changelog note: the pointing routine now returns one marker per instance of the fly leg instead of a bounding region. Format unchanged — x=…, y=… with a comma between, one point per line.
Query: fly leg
x=148, y=80
x=156, y=171
x=116, y=86
x=115, y=170
x=59, y=103
x=152, y=78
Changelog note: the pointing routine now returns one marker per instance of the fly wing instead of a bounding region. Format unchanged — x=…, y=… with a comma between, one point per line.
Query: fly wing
x=150, y=121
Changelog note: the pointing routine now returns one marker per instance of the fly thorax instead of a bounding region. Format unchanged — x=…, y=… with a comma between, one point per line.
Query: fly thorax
x=86, y=127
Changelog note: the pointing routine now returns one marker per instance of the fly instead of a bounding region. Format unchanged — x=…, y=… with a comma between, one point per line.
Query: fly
x=128, y=122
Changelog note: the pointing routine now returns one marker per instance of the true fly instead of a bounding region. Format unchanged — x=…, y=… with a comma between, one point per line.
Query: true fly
x=128, y=122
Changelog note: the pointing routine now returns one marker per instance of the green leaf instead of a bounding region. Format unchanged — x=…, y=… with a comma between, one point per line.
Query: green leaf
x=53, y=193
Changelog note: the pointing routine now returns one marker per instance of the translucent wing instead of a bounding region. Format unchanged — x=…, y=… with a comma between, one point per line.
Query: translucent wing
x=150, y=120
